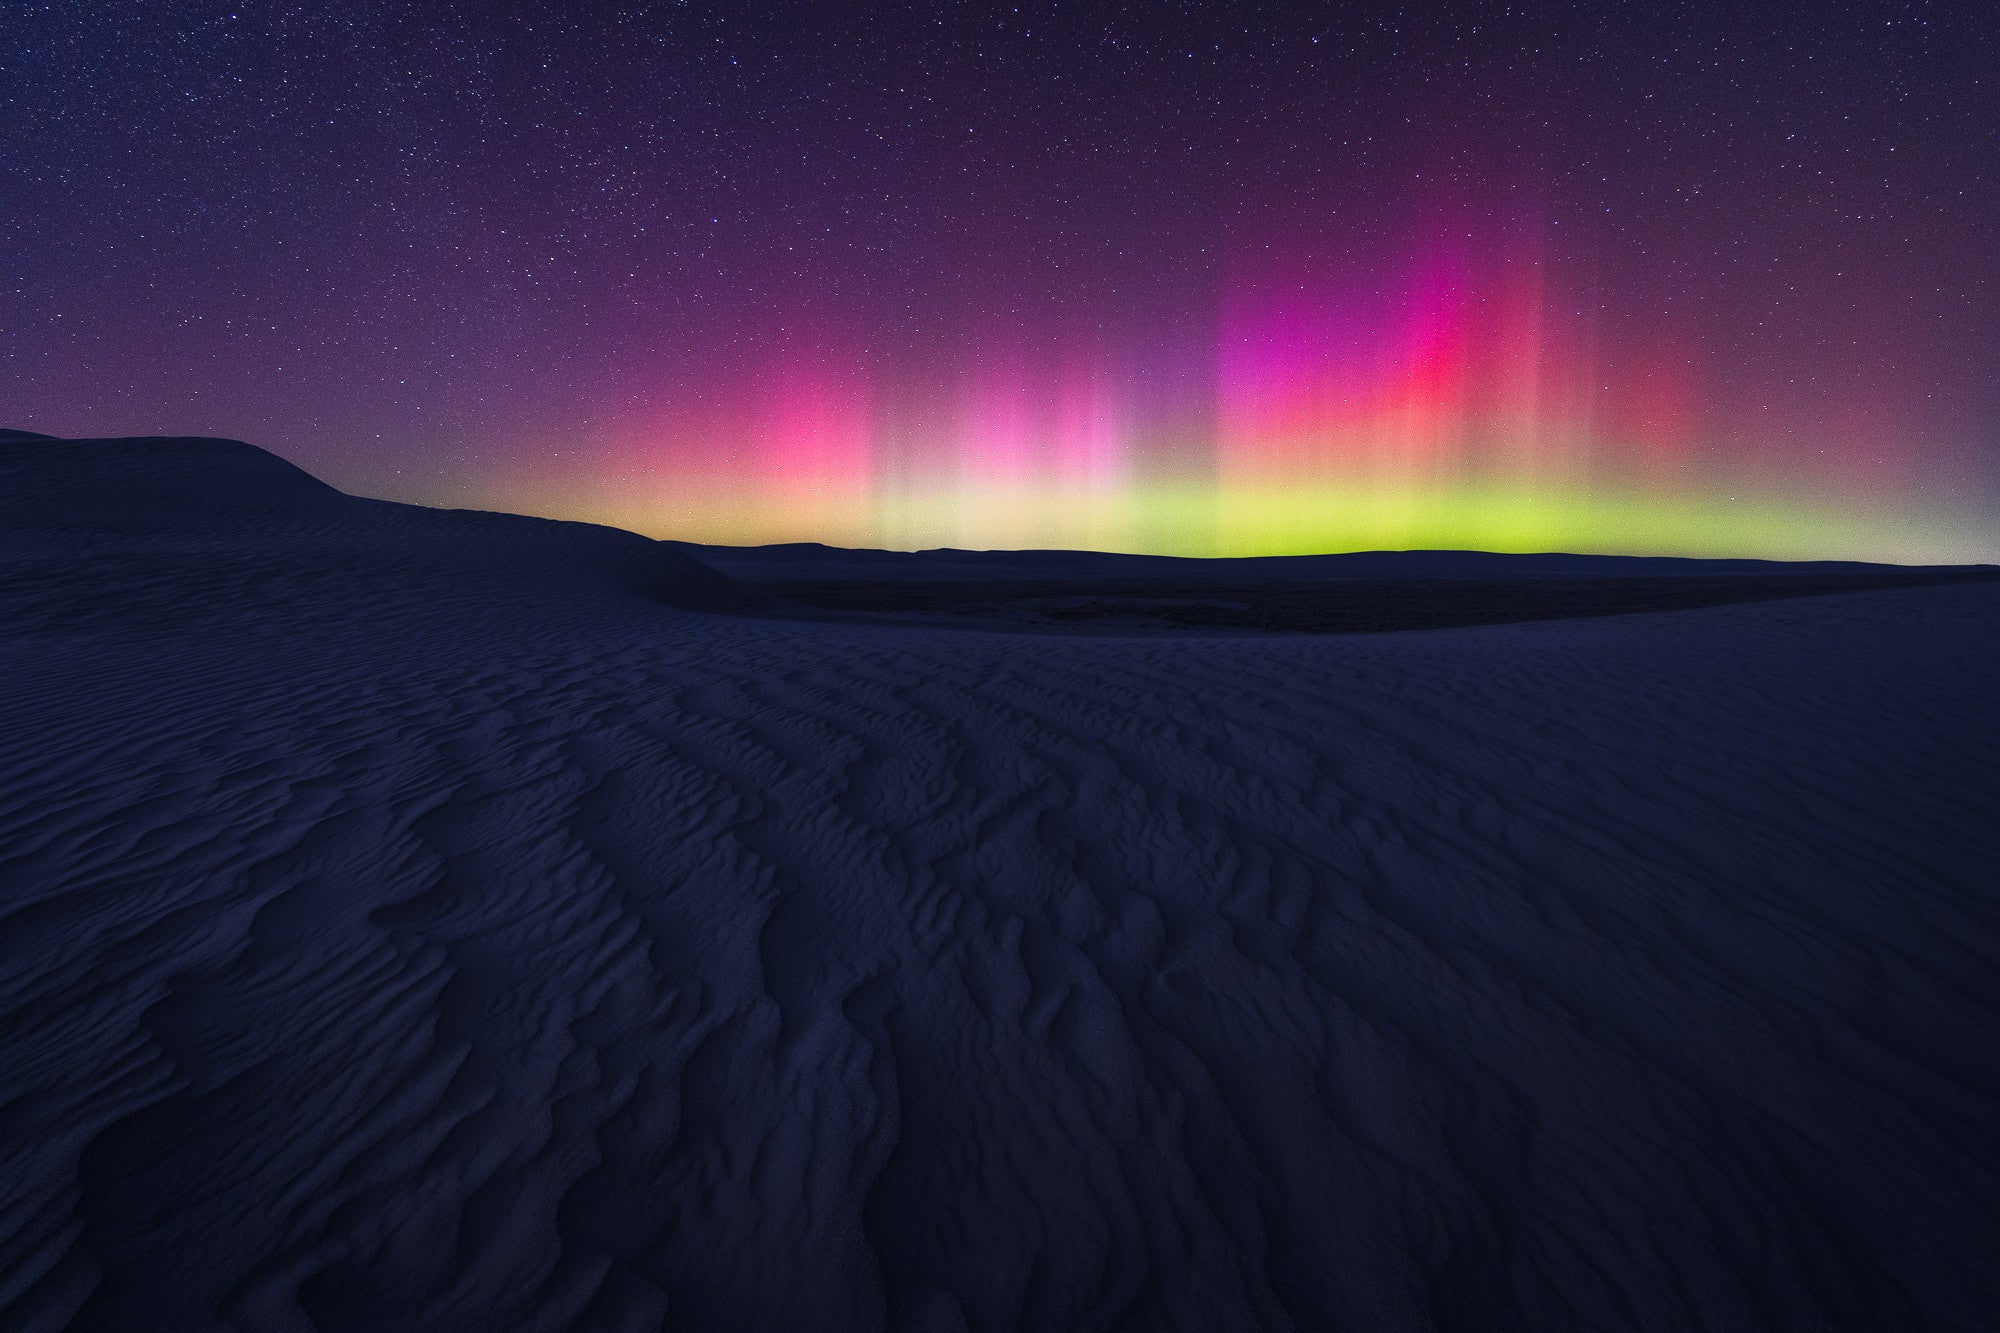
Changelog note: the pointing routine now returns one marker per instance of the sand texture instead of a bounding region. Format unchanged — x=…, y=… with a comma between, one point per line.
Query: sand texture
x=418, y=920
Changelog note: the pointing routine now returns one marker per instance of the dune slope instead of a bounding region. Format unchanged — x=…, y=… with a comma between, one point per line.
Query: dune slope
x=459, y=922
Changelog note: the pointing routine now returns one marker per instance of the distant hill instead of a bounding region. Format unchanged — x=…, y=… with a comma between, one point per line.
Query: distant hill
x=800, y=562
x=245, y=523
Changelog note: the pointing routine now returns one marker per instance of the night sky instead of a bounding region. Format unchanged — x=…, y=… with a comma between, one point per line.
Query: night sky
x=1225, y=278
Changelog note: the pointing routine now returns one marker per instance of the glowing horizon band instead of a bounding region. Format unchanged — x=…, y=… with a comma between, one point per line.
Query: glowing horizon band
x=1463, y=404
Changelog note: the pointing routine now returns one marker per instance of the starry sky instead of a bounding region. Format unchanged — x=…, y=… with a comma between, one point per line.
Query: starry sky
x=1198, y=278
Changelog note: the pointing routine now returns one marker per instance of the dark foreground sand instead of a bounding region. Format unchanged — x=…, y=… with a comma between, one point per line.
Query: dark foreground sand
x=440, y=921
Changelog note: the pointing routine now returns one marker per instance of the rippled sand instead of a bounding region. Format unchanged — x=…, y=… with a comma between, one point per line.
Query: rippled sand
x=418, y=920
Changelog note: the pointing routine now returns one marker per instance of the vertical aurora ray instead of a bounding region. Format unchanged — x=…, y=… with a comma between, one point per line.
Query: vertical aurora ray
x=815, y=454
x=1458, y=399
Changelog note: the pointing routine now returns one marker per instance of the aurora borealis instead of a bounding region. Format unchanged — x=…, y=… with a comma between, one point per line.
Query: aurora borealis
x=1190, y=279
x=1453, y=404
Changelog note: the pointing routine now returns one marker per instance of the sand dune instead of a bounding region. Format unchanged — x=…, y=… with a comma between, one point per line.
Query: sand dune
x=451, y=921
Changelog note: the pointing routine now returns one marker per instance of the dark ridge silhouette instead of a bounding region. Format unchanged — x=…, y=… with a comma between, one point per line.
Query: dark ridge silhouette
x=806, y=562
x=158, y=518
x=1371, y=591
